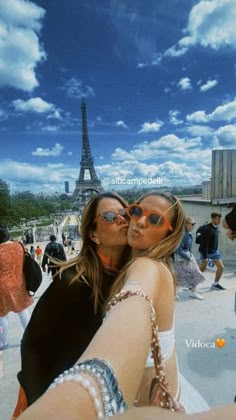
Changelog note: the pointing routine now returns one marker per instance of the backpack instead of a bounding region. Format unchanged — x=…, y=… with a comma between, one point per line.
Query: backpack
x=55, y=251
x=32, y=272
x=200, y=231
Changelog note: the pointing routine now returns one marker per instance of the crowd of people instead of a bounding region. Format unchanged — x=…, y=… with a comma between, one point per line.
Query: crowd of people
x=117, y=295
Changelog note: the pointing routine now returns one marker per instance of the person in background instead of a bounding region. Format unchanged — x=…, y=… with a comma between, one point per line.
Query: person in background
x=209, y=249
x=13, y=294
x=70, y=311
x=39, y=254
x=32, y=252
x=185, y=265
x=63, y=237
x=53, y=252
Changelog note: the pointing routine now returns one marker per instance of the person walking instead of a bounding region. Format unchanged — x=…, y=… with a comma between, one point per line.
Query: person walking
x=209, y=249
x=32, y=251
x=13, y=294
x=54, y=251
x=39, y=254
x=186, y=268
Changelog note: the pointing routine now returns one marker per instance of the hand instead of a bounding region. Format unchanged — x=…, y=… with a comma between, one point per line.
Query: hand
x=44, y=269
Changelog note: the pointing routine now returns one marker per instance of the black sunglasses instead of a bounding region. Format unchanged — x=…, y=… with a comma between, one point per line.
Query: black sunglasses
x=112, y=216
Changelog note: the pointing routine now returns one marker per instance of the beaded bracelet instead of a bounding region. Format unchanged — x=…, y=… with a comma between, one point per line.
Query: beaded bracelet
x=102, y=373
x=73, y=375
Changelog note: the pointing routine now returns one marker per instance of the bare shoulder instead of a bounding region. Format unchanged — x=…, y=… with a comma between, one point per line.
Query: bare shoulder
x=147, y=274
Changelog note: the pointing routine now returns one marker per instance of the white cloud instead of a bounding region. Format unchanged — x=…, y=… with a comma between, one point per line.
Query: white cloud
x=208, y=85
x=50, y=128
x=171, y=145
x=185, y=83
x=198, y=117
x=173, y=116
x=121, y=123
x=151, y=127
x=47, y=178
x=169, y=171
x=226, y=112
x=20, y=22
x=36, y=105
x=55, y=115
x=75, y=88
x=199, y=131
x=210, y=24
x=55, y=151
x=226, y=136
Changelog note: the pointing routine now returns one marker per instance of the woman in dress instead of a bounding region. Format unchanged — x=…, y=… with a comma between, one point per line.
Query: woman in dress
x=186, y=267
x=13, y=294
x=69, y=312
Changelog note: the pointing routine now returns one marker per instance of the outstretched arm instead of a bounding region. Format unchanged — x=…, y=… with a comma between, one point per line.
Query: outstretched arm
x=123, y=341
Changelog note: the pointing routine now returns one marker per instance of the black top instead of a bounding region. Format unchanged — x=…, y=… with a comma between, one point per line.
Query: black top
x=61, y=326
x=209, y=240
x=55, y=250
x=231, y=219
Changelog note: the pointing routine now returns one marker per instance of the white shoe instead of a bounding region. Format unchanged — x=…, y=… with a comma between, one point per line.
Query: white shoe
x=196, y=295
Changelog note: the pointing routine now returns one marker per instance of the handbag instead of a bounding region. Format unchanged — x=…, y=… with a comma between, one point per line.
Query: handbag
x=32, y=273
x=160, y=394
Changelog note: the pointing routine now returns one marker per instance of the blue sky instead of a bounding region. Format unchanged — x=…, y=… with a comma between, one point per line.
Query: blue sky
x=159, y=79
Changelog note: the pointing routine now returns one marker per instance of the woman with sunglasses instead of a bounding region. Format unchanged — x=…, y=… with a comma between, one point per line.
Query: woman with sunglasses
x=69, y=312
x=186, y=267
x=111, y=376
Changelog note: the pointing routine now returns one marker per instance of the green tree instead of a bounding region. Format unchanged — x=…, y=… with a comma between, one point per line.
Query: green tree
x=5, y=203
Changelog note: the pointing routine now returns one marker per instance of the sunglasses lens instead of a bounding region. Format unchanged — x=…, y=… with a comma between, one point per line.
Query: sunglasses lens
x=109, y=216
x=155, y=219
x=135, y=211
x=123, y=213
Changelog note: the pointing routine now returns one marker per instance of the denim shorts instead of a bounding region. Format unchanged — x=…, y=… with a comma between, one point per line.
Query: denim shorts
x=214, y=255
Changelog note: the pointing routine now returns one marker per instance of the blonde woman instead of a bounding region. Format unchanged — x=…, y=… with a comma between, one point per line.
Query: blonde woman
x=186, y=268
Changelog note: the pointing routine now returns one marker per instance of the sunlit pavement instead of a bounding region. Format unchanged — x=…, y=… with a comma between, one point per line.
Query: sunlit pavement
x=211, y=369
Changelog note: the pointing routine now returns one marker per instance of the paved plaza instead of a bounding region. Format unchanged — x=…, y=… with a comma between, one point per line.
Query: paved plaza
x=212, y=370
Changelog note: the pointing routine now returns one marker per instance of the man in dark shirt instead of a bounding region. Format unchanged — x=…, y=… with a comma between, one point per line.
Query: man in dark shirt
x=56, y=251
x=209, y=249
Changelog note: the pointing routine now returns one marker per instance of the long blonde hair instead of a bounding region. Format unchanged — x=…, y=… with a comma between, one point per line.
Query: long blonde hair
x=162, y=250
x=88, y=266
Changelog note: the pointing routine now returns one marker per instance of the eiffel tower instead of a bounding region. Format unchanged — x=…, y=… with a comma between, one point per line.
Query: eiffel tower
x=88, y=182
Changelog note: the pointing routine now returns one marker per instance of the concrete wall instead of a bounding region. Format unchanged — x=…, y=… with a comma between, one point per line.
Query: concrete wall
x=201, y=211
x=206, y=190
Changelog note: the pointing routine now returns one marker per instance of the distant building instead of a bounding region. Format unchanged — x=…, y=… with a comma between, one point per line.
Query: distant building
x=223, y=184
x=67, y=189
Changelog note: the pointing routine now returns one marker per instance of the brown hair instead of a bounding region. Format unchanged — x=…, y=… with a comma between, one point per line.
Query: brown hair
x=164, y=249
x=89, y=268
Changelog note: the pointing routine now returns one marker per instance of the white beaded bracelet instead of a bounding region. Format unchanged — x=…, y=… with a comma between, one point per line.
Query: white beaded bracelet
x=69, y=376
